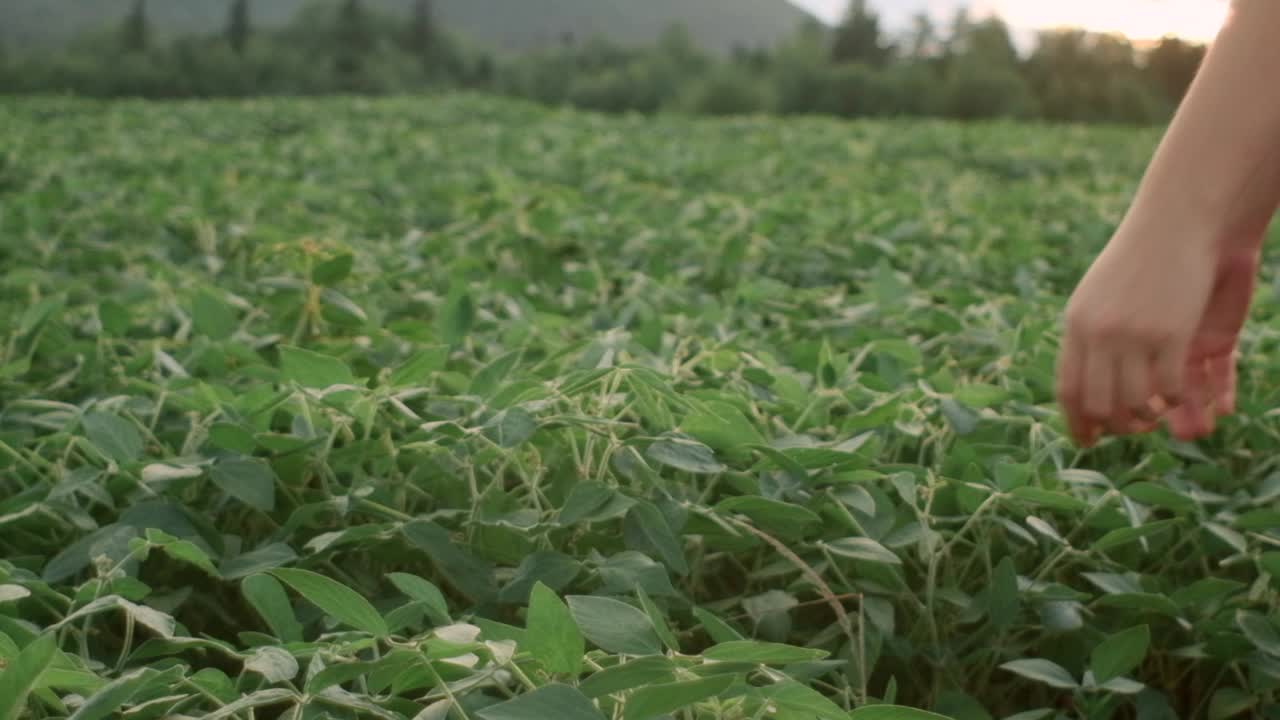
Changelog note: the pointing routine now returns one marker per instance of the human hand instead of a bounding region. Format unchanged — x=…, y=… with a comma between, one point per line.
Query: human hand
x=1151, y=330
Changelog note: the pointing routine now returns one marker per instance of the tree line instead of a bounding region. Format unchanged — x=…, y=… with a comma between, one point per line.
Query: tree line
x=969, y=69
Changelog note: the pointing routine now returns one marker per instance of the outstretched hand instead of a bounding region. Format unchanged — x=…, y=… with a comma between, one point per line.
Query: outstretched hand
x=1151, y=334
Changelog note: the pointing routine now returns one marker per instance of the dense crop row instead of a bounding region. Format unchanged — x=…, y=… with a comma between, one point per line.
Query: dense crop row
x=465, y=409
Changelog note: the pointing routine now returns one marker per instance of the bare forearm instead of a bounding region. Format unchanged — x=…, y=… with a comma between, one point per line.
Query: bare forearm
x=1218, y=168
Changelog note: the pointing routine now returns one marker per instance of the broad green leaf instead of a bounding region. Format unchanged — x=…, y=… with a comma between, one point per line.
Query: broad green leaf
x=338, y=674
x=718, y=629
x=1141, y=602
x=1049, y=498
x=614, y=626
x=23, y=674
x=765, y=653
x=893, y=712
x=659, y=621
x=645, y=529
x=1004, y=602
x=979, y=395
x=417, y=370
x=212, y=317
x=650, y=702
x=249, y=480
x=312, y=369
x=721, y=426
x=456, y=315
x=266, y=557
x=424, y=592
x=333, y=271
x=802, y=702
x=640, y=672
x=1229, y=702
x=862, y=548
x=1122, y=536
x=552, y=636
x=489, y=378
x=334, y=598
x=687, y=455
x=105, y=702
x=550, y=701
x=1119, y=653
x=113, y=435
x=781, y=519
x=1041, y=670
x=1260, y=630
x=472, y=575
x=272, y=663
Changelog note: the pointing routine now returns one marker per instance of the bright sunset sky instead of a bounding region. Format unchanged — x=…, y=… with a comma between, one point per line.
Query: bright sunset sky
x=1139, y=19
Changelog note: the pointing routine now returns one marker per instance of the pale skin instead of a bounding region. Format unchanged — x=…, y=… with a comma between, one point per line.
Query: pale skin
x=1151, y=332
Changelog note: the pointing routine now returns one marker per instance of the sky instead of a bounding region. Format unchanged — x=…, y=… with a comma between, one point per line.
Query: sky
x=1139, y=19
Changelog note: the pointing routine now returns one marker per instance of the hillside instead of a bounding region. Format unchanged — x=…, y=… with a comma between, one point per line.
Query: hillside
x=500, y=24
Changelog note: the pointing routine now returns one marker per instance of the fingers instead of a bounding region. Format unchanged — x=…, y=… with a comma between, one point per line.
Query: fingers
x=1071, y=394
x=1170, y=376
x=1222, y=382
x=1195, y=417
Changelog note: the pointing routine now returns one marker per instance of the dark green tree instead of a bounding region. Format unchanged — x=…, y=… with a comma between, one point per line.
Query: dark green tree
x=136, y=31
x=858, y=39
x=353, y=37
x=238, y=28
x=422, y=29
x=1172, y=65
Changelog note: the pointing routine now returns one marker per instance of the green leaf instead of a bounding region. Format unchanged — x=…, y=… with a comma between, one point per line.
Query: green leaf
x=338, y=674
x=313, y=370
x=659, y=622
x=23, y=673
x=489, y=378
x=183, y=551
x=1119, y=653
x=980, y=395
x=550, y=701
x=1141, y=602
x=801, y=702
x=650, y=702
x=1123, y=536
x=619, y=678
x=425, y=592
x=765, y=653
x=893, y=712
x=268, y=598
x=784, y=520
x=114, y=318
x=719, y=630
x=335, y=599
x=554, y=569
x=687, y=455
x=1229, y=702
x=468, y=573
x=862, y=548
x=274, y=664
x=721, y=426
x=247, y=479
x=105, y=702
x=1041, y=670
x=417, y=370
x=113, y=435
x=511, y=427
x=614, y=626
x=1155, y=495
x=212, y=317
x=553, y=638
x=1004, y=604
x=1049, y=498
x=332, y=271
x=456, y=315
x=1260, y=631
x=266, y=557
x=645, y=529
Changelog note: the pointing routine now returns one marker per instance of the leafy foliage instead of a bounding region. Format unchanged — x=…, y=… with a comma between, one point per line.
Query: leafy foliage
x=403, y=409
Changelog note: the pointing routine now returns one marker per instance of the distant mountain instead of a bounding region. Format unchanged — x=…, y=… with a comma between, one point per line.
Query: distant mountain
x=500, y=24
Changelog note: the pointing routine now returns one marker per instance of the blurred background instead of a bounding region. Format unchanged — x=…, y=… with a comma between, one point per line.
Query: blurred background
x=1087, y=61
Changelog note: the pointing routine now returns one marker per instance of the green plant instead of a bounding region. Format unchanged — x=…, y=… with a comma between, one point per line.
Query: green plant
x=470, y=408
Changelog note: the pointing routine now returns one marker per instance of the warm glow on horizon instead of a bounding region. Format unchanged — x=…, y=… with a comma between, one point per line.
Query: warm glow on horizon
x=1138, y=19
